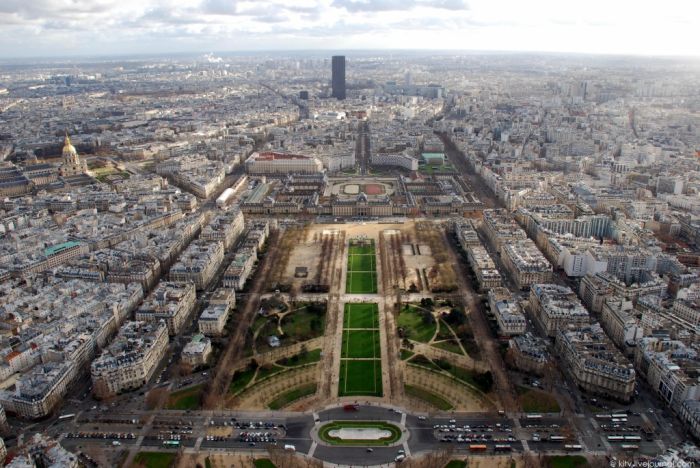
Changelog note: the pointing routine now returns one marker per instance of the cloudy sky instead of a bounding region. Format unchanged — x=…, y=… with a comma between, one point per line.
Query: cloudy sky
x=106, y=27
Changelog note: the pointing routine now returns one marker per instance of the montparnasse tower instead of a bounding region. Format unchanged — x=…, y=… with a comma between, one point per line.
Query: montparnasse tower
x=72, y=163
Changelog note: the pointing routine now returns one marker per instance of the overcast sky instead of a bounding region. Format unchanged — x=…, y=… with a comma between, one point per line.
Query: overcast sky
x=107, y=27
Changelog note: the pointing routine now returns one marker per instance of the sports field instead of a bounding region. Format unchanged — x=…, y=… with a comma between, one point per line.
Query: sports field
x=362, y=268
x=360, y=357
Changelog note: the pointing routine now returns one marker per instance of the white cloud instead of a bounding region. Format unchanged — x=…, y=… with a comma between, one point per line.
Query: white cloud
x=67, y=27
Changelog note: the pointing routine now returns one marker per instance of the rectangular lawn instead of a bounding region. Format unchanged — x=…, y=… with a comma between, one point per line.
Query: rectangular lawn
x=361, y=283
x=361, y=249
x=361, y=263
x=360, y=378
x=360, y=344
x=361, y=316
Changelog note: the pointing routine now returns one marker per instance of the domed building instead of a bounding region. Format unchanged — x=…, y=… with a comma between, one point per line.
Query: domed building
x=72, y=164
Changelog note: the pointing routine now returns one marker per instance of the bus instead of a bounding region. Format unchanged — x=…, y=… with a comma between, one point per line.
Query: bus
x=556, y=438
x=633, y=438
x=66, y=416
x=615, y=438
x=572, y=447
x=630, y=447
x=534, y=416
x=603, y=416
x=477, y=447
x=171, y=443
x=502, y=448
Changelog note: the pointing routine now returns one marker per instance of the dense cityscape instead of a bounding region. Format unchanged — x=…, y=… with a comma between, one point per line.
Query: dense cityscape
x=306, y=259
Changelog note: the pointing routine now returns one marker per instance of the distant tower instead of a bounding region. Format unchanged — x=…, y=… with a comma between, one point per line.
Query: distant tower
x=72, y=164
x=338, y=80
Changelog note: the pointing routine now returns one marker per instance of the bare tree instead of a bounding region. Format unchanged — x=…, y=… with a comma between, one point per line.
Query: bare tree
x=155, y=398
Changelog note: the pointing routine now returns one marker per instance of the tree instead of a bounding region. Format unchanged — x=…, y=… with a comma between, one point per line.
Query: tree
x=456, y=316
x=184, y=368
x=156, y=397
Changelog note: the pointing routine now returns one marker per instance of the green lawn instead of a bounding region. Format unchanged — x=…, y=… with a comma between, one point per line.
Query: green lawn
x=422, y=394
x=267, y=371
x=362, y=315
x=406, y=354
x=536, y=401
x=456, y=464
x=422, y=361
x=155, y=459
x=301, y=359
x=566, y=461
x=302, y=325
x=360, y=344
x=240, y=380
x=470, y=377
x=187, y=399
x=450, y=345
x=413, y=323
x=263, y=463
x=360, y=378
x=363, y=262
x=324, y=431
x=361, y=283
x=361, y=249
x=362, y=276
x=292, y=395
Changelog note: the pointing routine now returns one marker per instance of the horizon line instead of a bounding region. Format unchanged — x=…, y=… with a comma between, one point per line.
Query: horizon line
x=347, y=51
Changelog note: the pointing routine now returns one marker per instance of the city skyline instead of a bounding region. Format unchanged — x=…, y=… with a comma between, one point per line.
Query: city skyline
x=53, y=28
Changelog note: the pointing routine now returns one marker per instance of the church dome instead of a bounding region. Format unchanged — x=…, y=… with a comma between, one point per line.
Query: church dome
x=68, y=148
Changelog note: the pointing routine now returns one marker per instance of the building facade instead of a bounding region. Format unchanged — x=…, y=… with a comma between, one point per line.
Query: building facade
x=131, y=359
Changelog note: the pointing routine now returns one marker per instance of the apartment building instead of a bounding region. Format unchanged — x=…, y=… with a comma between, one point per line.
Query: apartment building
x=171, y=302
x=256, y=235
x=690, y=415
x=500, y=228
x=401, y=160
x=465, y=230
x=198, y=263
x=529, y=353
x=620, y=324
x=483, y=267
x=240, y=269
x=593, y=362
x=595, y=288
x=525, y=263
x=225, y=228
x=40, y=391
x=669, y=366
x=627, y=263
x=687, y=310
x=556, y=307
x=197, y=352
x=131, y=359
x=508, y=313
x=213, y=319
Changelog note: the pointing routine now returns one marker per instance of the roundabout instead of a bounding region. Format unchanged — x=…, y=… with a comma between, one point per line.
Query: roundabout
x=360, y=433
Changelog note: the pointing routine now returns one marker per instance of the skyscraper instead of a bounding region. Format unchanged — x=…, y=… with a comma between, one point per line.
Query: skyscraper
x=338, y=80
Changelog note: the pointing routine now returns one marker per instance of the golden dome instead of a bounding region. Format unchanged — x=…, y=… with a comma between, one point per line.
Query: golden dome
x=67, y=147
